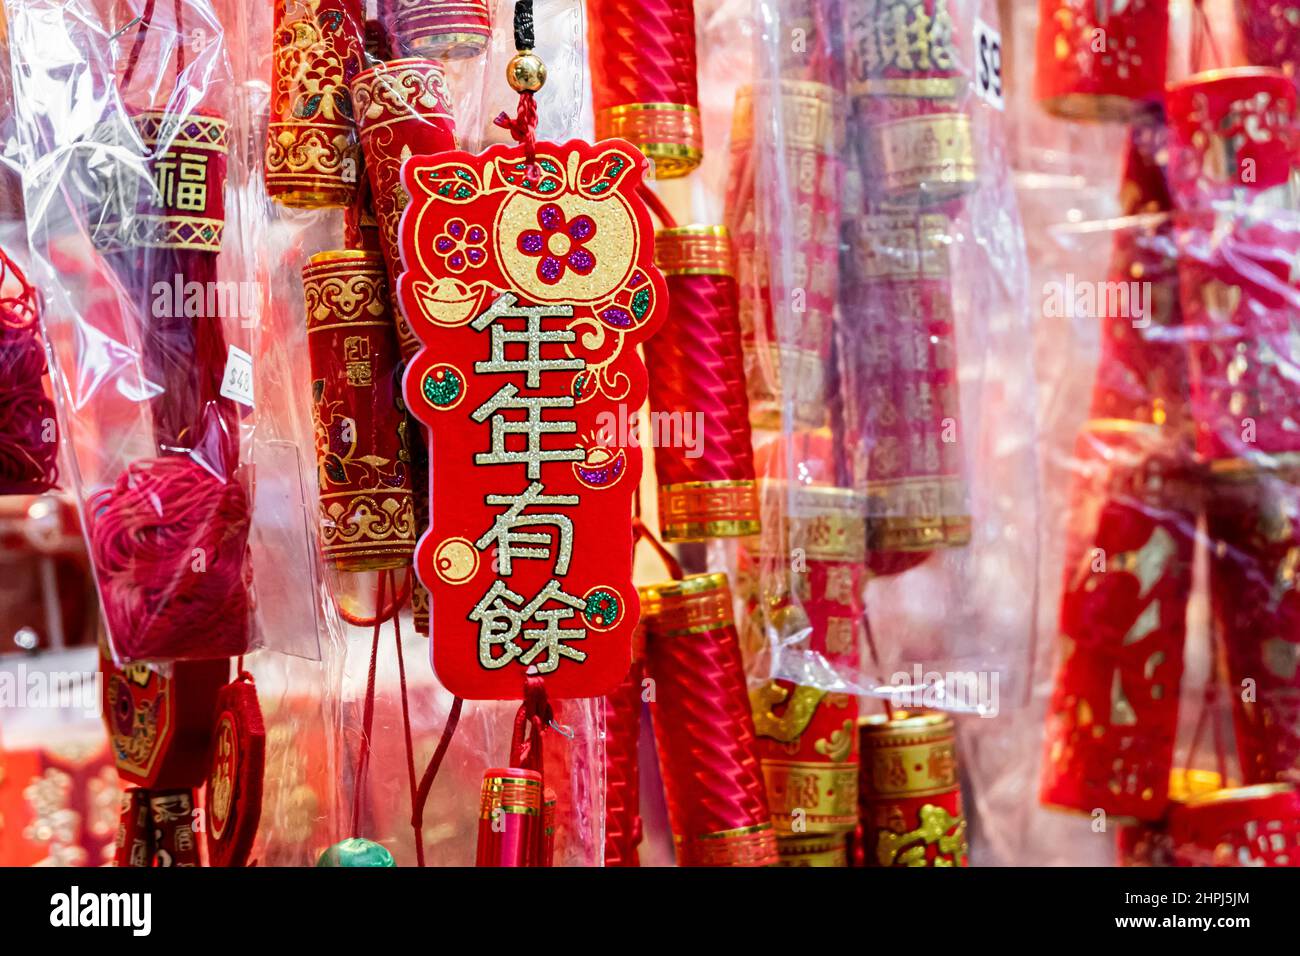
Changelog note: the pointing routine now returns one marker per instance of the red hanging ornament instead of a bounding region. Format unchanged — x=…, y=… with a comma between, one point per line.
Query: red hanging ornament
x=233, y=798
x=29, y=435
x=1101, y=59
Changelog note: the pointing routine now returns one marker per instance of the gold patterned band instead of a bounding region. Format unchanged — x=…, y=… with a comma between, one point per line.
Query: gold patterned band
x=916, y=514
x=909, y=755
x=930, y=154
x=807, y=112
x=693, y=251
x=698, y=602
x=668, y=133
x=767, y=369
x=510, y=794
x=827, y=523
x=813, y=851
x=745, y=846
x=827, y=793
x=698, y=510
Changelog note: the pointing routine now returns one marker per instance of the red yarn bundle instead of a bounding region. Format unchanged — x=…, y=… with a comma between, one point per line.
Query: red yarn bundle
x=28, y=430
x=170, y=544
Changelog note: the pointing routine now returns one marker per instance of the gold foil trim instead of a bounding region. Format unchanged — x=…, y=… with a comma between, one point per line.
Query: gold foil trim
x=697, y=603
x=668, y=133
x=827, y=793
x=744, y=846
x=927, y=154
x=693, y=250
x=812, y=851
x=698, y=510
x=807, y=114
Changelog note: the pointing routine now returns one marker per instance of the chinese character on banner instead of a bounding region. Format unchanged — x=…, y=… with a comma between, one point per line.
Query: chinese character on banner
x=530, y=290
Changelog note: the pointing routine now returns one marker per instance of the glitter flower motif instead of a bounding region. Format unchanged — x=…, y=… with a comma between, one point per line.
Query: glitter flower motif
x=559, y=244
x=461, y=245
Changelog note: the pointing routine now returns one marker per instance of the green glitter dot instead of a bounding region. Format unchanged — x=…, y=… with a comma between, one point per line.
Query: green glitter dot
x=443, y=391
x=641, y=303
x=602, y=608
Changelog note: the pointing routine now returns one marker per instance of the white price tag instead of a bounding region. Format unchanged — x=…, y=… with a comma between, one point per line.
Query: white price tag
x=237, y=383
x=988, y=64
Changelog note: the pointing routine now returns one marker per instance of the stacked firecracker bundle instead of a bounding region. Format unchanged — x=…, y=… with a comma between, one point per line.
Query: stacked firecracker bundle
x=1192, y=437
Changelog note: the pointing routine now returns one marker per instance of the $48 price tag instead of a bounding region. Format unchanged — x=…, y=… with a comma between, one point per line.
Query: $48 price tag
x=237, y=383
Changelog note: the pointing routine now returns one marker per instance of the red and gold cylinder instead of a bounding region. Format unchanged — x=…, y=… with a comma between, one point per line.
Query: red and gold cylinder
x=643, y=79
x=699, y=416
x=367, y=516
x=438, y=29
x=171, y=813
x=909, y=792
x=808, y=740
x=134, y=842
x=622, y=711
x=898, y=356
x=1233, y=157
x=786, y=311
x=1101, y=59
x=1271, y=30
x=311, y=152
x=909, y=91
x=824, y=850
x=511, y=821
x=403, y=107
x=1149, y=842
x=1253, y=524
x=1240, y=826
x=704, y=732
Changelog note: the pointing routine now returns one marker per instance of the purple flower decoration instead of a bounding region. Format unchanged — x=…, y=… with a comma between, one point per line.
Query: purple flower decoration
x=559, y=245
x=461, y=245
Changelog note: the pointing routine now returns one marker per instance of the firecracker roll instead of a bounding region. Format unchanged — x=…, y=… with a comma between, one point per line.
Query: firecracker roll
x=1149, y=842
x=1271, y=30
x=909, y=792
x=643, y=79
x=622, y=712
x=1233, y=161
x=1101, y=59
x=438, y=29
x=807, y=735
x=785, y=313
x=1239, y=826
x=172, y=814
x=908, y=88
x=704, y=461
x=403, y=108
x=1128, y=566
x=367, y=513
x=1254, y=531
x=704, y=733
x=311, y=150
x=510, y=823
x=898, y=360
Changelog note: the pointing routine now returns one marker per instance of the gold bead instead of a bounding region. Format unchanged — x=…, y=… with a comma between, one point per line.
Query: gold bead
x=526, y=72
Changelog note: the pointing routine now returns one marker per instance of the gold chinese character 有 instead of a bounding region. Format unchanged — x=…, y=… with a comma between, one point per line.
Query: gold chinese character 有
x=181, y=181
x=356, y=360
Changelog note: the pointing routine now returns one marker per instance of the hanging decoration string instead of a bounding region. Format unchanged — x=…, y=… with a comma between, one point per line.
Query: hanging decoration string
x=368, y=710
x=526, y=74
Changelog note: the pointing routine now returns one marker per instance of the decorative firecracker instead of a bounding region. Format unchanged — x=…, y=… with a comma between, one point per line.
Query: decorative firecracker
x=438, y=29
x=704, y=731
x=1101, y=59
x=1128, y=568
x=807, y=736
x=696, y=372
x=403, y=108
x=1149, y=842
x=1242, y=826
x=311, y=148
x=367, y=517
x=909, y=89
x=910, y=794
x=898, y=359
x=786, y=350
x=622, y=712
x=643, y=79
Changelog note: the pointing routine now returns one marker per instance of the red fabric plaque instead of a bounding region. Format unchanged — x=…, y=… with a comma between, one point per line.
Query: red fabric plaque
x=530, y=295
